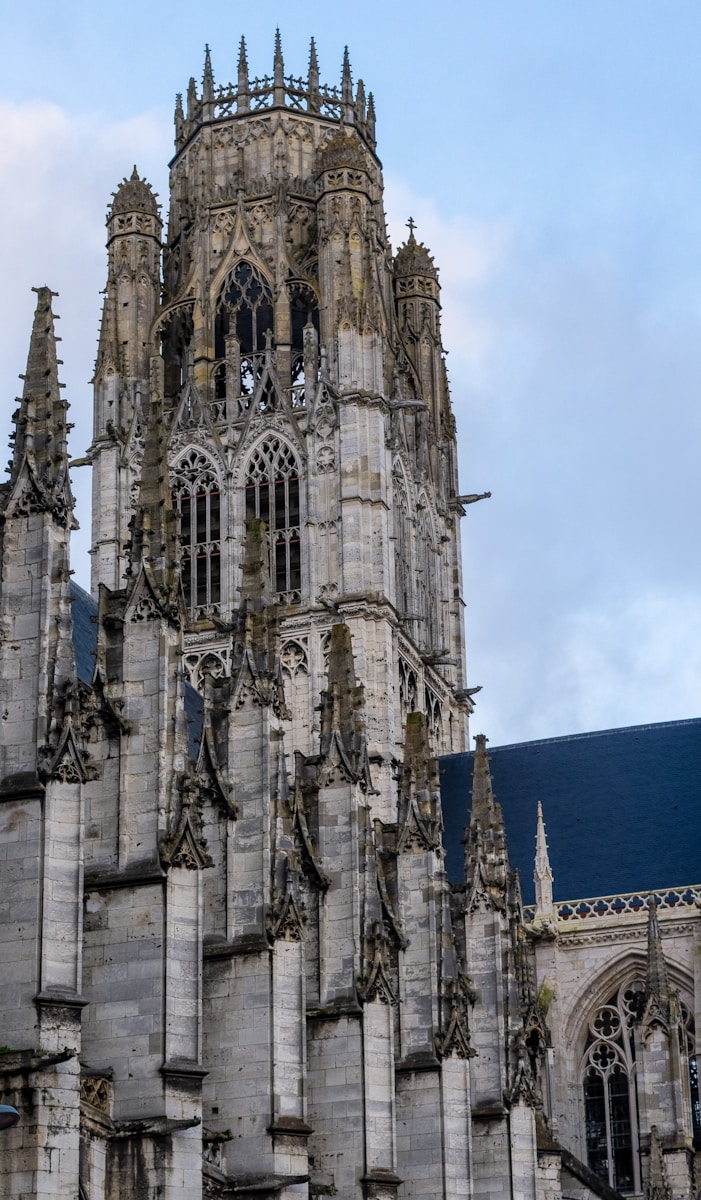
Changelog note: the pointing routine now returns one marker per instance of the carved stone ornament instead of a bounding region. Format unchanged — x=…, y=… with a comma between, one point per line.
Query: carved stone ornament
x=97, y=1091
x=375, y=983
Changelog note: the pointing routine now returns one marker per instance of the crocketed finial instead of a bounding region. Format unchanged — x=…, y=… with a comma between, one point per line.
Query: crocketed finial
x=243, y=89
x=208, y=77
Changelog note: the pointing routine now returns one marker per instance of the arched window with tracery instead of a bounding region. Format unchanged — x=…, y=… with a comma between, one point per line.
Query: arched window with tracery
x=243, y=318
x=197, y=502
x=273, y=496
x=609, y=1087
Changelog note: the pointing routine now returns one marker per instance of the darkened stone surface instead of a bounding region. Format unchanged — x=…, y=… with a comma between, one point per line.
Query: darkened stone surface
x=622, y=808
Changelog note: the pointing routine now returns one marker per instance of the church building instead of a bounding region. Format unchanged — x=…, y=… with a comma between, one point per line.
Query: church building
x=251, y=945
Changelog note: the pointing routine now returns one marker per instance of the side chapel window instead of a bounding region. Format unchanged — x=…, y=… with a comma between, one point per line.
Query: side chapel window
x=272, y=496
x=610, y=1102
x=197, y=501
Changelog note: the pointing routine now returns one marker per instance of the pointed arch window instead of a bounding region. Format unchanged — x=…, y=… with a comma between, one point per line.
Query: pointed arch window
x=244, y=317
x=402, y=546
x=273, y=496
x=428, y=584
x=197, y=502
x=609, y=1087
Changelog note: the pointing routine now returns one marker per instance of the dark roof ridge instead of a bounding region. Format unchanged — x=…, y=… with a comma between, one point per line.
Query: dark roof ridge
x=574, y=737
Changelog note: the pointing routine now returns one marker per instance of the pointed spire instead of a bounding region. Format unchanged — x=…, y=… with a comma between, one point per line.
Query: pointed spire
x=343, y=704
x=486, y=861
x=313, y=79
x=208, y=82
x=179, y=119
x=278, y=72
x=656, y=978
x=347, y=87
x=41, y=438
x=191, y=98
x=360, y=103
x=243, y=97
x=542, y=875
x=483, y=806
x=371, y=120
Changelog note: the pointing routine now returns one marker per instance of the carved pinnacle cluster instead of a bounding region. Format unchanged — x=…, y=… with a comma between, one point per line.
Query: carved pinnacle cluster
x=134, y=195
x=343, y=704
x=41, y=428
x=278, y=90
x=154, y=542
x=657, y=991
x=486, y=861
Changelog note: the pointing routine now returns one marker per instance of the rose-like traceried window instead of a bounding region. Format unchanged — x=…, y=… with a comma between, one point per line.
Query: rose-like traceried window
x=273, y=496
x=197, y=501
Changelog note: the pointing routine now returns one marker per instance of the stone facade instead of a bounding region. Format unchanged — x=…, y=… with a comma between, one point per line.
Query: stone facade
x=247, y=975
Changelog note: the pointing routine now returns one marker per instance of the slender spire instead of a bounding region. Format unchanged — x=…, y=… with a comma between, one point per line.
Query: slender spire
x=278, y=72
x=486, y=862
x=191, y=98
x=179, y=118
x=483, y=806
x=656, y=978
x=371, y=120
x=360, y=103
x=243, y=98
x=313, y=78
x=343, y=705
x=542, y=875
x=207, y=78
x=347, y=87
x=41, y=438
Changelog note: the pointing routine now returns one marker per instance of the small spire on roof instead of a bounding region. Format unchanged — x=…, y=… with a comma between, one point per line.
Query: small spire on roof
x=313, y=78
x=208, y=77
x=371, y=119
x=243, y=98
x=278, y=72
x=542, y=874
x=347, y=86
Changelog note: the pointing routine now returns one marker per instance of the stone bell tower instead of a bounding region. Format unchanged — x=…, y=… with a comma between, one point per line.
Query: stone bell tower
x=303, y=382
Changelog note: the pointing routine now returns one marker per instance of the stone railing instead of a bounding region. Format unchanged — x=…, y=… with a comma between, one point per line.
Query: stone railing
x=634, y=903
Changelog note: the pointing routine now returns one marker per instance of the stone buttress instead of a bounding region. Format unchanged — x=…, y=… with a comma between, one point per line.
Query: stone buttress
x=43, y=765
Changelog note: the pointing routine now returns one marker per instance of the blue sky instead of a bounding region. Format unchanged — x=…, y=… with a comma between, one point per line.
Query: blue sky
x=550, y=155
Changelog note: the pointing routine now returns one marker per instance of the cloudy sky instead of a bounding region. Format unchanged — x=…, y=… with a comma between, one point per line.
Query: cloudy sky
x=550, y=154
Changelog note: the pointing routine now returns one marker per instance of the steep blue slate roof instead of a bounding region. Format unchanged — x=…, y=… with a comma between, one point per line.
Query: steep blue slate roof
x=622, y=808
x=84, y=610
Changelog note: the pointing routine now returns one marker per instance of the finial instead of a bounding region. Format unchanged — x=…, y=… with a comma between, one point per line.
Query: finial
x=656, y=980
x=135, y=175
x=313, y=79
x=360, y=103
x=278, y=72
x=207, y=78
x=41, y=428
x=347, y=84
x=542, y=874
x=191, y=98
x=371, y=120
x=243, y=96
x=411, y=226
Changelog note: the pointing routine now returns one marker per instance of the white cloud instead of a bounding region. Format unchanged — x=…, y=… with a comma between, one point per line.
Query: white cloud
x=58, y=173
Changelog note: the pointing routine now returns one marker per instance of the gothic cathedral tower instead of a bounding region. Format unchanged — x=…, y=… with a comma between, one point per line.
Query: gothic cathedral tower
x=303, y=383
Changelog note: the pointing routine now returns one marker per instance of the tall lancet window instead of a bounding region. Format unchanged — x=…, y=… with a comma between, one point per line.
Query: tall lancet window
x=272, y=496
x=402, y=546
x=197, y=501
x=244, y=316
x=428, y=584
x=608, y=1081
